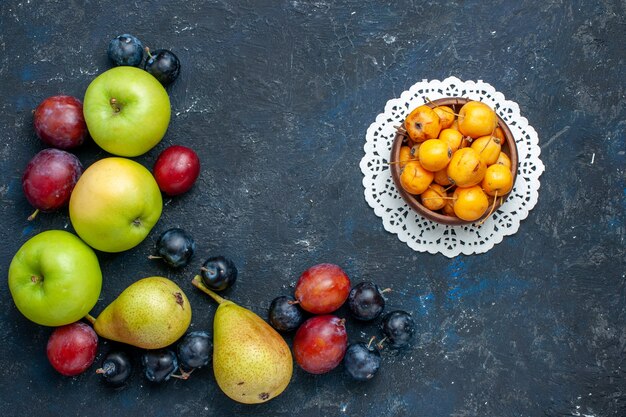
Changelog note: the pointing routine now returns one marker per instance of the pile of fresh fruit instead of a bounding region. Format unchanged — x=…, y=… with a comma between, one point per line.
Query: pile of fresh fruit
x=55, y=277
x=455, y=163
x=321, y=342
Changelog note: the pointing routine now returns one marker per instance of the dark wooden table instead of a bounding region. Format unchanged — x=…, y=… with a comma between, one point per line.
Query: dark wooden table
x=276, y=98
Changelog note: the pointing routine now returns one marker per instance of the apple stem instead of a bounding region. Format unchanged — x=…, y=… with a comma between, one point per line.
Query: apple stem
x=90, y=319
x=114, y=104
x=197, y=282
x=32, y=216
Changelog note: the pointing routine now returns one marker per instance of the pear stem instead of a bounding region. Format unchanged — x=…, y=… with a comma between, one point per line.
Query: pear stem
x=90, y=319
x=197, y=282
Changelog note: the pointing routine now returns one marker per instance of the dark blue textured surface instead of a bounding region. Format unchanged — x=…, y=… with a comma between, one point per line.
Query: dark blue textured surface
x=276, y=97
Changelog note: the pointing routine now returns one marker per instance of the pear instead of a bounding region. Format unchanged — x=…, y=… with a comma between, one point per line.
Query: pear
x=252, y=363
x=151, y=313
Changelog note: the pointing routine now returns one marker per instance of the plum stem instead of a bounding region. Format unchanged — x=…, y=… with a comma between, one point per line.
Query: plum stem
x=197, y=282
x=371, y=341
x=380, y=345
x=154, y=257
x=148, y=51
x=386, y=290
x=32, y=216
x=107, y=367
x=184, y=375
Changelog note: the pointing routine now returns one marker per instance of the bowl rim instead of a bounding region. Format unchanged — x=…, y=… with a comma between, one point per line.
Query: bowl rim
x=414, y=203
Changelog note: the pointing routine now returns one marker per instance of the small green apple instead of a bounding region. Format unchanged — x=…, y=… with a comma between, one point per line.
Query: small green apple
x=127, y=111
x=55, y=278
x=115, y=204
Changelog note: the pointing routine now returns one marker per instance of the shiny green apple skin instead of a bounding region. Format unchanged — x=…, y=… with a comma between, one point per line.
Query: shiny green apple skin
x=115, y=204
x=127, y=111
x=55, y=278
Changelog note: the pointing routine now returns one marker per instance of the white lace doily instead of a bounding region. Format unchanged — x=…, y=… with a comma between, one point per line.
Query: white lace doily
x=418, y=232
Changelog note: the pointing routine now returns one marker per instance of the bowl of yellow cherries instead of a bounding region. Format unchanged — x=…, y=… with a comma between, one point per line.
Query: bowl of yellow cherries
x=454, y=161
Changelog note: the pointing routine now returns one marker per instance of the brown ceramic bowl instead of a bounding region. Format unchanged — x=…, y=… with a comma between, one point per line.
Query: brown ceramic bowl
x=508, y=147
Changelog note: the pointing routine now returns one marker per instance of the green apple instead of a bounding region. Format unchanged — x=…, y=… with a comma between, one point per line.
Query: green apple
x=127, y=111
x=55, y=278
x=115, y=204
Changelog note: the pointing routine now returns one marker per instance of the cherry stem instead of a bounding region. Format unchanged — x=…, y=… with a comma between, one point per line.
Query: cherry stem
x=430, y=187
x=497, y=140
x=402, y=131
x=197, y=282
x=90, y=319
x=493, y=207
x=32, y=216
x=436, y=105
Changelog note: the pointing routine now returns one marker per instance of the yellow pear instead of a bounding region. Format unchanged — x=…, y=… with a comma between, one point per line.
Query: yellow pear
x=151, y=313
x=252, y=363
